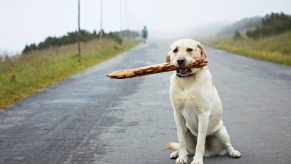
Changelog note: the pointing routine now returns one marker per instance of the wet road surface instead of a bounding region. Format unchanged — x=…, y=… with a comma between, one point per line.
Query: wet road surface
x=91, y=119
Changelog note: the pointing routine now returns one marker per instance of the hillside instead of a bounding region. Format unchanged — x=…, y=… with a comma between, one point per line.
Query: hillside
x=241, y=25
x=26, y=74
x=275, y=49
x=270, y=40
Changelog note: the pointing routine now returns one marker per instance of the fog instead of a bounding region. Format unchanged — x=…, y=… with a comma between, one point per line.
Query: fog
x=24, y=22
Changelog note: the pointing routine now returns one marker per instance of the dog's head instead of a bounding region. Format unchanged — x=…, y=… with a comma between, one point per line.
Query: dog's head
x=182, y=52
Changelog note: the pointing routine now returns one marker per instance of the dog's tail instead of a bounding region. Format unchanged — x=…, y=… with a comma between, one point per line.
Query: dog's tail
x=172, y=146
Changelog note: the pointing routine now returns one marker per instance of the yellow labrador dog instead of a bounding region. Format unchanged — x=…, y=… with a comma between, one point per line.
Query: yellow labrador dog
x=197, y=108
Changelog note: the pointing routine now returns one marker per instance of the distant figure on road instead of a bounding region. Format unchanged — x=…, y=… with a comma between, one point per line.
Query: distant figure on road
x=144, y=34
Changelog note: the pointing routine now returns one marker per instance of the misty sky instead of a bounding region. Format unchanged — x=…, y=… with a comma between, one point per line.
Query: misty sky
x=27, y=21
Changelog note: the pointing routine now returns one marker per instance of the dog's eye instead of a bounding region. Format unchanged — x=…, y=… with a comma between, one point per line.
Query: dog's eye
x=189, y=50
x=175, y=50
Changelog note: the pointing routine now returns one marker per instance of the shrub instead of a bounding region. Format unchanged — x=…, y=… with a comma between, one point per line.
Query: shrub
x=72, y=37
x=272, y=24
x=237, y=36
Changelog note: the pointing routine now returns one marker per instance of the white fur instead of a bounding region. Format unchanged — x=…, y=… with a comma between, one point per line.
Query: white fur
x=197, y=108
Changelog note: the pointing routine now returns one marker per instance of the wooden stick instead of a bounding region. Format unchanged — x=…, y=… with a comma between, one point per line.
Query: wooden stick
x=152, y=69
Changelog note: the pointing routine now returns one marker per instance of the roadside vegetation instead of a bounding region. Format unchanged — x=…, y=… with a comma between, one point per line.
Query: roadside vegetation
x=268, y=38
x=71, y=37
x=35, y=69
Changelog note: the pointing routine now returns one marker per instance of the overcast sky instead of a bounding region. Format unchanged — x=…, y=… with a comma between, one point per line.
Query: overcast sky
x=27, y=21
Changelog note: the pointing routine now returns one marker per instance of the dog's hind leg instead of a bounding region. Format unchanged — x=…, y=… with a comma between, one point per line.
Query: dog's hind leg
x=224, y=139
x=213, y=146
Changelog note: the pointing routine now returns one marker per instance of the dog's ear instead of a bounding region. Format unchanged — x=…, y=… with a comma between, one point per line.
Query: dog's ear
x=168, y=59
x=203, y=52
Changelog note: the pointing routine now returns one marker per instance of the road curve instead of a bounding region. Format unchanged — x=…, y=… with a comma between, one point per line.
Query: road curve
x=89, y=118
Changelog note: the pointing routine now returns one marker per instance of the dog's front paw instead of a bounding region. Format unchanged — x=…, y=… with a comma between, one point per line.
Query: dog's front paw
x=182, y=160
x=234, y=154
x=197, y=160
x=174, y=155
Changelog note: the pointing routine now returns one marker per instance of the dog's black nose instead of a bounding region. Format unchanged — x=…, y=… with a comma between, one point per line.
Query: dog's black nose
x=181, y=61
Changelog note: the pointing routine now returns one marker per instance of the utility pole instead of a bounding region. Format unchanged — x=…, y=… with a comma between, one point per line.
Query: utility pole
x=101, y=19
x=101, y=24
x=121, y=21
x=125, y=19
x=79, y=48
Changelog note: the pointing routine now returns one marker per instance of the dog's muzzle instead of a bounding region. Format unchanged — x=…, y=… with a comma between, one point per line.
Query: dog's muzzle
x=184, y=72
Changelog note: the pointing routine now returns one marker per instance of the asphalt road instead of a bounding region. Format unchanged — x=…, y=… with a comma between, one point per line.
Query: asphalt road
x=91, y=119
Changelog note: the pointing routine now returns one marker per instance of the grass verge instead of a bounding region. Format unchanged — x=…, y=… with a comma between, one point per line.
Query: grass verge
x=24, y=75
x=274, y=49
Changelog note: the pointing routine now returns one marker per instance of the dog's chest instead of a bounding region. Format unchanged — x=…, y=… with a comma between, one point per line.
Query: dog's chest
x=190, y=100
x=190, y=103
x=191, y=119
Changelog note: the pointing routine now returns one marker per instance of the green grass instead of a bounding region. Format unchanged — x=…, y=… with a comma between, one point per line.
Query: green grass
x=24, y=75
x=274, y=49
